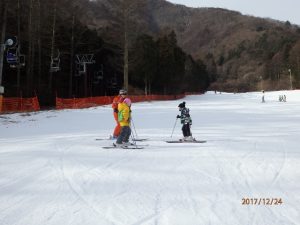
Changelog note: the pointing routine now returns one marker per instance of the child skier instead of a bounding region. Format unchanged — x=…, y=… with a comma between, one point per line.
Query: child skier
x=124, y=120
x=118, y=99
x=186, y=122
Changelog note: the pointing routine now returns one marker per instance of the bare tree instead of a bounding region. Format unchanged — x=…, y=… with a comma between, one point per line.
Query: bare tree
x=71, y=58
x=3, y=31
x=52, y=44
x=29, y=71
x=39, y=42
x=19, y=37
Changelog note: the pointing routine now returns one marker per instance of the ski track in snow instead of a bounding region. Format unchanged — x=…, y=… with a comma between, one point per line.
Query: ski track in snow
x=77, y=189
x=53, y=172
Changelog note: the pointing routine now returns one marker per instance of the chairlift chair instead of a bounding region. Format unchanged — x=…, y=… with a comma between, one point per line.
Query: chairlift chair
x=99, y=75
x=55, y=63
x=54, y=66
x=112, y=83
x=22, y=60
x=12, y=56
x=96, y=81
x=81, y=68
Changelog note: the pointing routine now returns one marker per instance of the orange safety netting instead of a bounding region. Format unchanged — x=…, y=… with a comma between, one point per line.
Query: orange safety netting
x=16, y=104
x=78, y=103
x=20, y=104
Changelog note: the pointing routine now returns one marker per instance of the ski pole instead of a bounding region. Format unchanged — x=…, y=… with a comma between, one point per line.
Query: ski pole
x=132, y=133
x=134, y=128
x=133, y=139
x=174, y=127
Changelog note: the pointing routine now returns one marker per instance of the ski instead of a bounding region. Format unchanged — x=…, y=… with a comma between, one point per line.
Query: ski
x=123, y=147
x=139, y=145
x=107, y=139
x=181, y=141
x=139, y=139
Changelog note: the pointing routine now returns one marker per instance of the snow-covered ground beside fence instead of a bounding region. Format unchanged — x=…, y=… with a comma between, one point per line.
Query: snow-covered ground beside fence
x=54, y=172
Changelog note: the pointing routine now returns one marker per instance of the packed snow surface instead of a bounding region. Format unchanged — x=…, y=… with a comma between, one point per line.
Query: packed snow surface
x=54, y=172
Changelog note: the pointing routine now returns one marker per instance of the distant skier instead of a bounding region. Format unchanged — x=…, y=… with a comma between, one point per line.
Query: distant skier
x=263, y=97
x=118, y=99
x=124, y=116
x=186, y=122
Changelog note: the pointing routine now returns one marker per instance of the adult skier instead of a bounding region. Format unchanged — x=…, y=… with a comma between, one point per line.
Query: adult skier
x=186, y=122
x=118, y=99
x=124, y=116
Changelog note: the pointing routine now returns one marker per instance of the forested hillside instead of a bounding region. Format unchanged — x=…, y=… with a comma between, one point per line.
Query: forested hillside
x=58, y=54
x=240, y=52
x=81, y=48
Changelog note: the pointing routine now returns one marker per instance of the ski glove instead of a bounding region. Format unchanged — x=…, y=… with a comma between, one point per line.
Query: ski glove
x=116, y=110
x=178, y=117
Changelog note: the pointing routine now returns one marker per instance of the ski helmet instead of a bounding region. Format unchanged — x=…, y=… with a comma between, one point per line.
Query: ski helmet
x=181, y=105
x=123, y=92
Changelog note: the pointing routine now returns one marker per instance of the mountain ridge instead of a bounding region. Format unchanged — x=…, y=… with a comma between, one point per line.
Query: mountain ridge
x=236, y=48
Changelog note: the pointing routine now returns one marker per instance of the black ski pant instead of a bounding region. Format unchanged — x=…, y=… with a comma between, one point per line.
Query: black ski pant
x=186, y=130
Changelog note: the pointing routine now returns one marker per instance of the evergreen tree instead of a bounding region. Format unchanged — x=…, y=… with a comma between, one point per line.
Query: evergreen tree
x=145, y=62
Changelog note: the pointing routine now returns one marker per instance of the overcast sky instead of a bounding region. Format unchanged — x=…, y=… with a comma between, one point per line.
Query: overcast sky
x=282, y=10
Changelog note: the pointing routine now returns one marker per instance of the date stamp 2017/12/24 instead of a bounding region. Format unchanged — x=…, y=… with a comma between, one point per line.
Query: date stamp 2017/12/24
x=262, y=201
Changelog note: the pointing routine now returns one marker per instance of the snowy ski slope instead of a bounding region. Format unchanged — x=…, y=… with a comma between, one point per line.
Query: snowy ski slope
x=54, y=172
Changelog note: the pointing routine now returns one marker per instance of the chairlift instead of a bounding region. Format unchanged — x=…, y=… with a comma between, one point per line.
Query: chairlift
x=112, y=83
x=99, y=75
x=96, y=81
x=55, y=63
x=80, y=69
x=22, y=60
x=11, y=42
x=12, y=56
x=20, y=63
x=77, y=74
x=54, y=66
x=81, y=63
x=85, y=58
